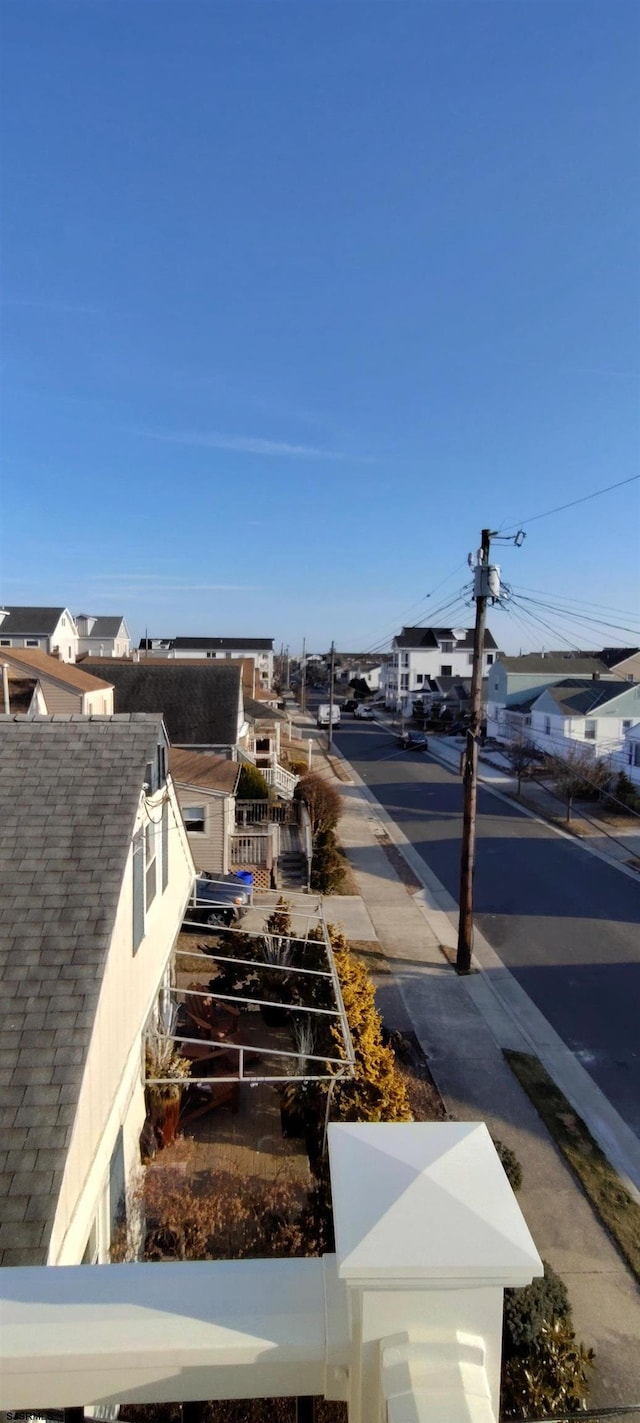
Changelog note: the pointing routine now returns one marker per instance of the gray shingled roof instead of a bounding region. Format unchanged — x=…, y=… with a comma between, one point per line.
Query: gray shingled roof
x=211, y=644
x=583, y=698
x=105, y=627
x=30, y=622
x=199, y=703
x=69, y=791
x=429, y=637
x=573, y=664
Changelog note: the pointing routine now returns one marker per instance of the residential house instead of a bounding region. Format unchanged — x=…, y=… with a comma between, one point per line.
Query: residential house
x=61, y=686
x=51, y=630
x=514, y=683
x=205, y=787
x=95, y=873
x=259, y=649
x=593, y=715
x=349, y=665
x=421, y=653
x=103, y=637
x=628, y=759
x=202, y=704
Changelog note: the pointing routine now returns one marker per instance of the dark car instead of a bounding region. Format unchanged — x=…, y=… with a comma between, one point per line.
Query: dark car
x=216, y=901
x=413, y=741
x=350, y=704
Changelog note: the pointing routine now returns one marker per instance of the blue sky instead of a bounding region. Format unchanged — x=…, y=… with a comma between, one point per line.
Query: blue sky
x=298, y=296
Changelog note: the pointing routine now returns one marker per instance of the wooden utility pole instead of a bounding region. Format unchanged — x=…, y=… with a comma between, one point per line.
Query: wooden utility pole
x=331, y=671
x=470, y=771
x=303, y=678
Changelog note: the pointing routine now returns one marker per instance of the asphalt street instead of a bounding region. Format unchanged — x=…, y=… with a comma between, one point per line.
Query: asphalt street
x=566, y=923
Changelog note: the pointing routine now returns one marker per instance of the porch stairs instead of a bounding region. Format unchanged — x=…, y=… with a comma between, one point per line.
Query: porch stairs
x=292, y=861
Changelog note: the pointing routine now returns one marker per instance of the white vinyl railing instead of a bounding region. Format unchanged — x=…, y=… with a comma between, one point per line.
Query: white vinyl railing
x=404, y=1322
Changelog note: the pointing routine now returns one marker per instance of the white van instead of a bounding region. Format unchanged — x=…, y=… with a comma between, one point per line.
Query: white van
x=325, y=716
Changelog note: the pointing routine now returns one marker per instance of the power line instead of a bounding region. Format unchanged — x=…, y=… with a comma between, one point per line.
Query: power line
x=380, y=642
x=585, y=618
x=579, y=602
x=533, y=518
x=440, y=611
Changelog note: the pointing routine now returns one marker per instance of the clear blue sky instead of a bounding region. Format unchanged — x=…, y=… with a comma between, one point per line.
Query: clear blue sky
x=298, y=296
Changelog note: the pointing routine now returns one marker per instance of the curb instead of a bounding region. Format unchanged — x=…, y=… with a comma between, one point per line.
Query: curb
x=510, y=1010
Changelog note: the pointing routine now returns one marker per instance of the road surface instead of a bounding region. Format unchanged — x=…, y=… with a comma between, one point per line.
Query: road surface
x=566, y=923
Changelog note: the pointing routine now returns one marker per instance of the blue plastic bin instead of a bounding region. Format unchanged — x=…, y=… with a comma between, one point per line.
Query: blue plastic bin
x=246, y=877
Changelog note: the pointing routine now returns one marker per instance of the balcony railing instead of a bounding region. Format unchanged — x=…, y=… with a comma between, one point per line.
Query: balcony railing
x=264, y=812
x=404, y=1321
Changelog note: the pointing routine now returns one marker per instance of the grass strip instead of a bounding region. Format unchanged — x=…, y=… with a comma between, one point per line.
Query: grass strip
x=617, y=1210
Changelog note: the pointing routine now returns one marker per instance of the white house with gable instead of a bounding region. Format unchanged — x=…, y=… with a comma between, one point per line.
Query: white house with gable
x=421, y=653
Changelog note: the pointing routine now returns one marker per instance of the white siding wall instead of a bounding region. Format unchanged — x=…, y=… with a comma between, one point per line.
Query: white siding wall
x=112, y=1094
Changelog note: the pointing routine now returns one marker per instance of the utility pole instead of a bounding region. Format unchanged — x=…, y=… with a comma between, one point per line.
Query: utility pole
x=286, y=677
x=303, y=678
x=470, y=772
x=331, y=670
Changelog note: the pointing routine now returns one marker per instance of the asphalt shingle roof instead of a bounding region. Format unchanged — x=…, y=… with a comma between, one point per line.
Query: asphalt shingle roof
x=573, y=696
x=430, y=637
x=69, y=790
x=30, y=622
x=199, y=703
x=554, y=662
x=105, y=627
x=212, y=644
x=201, y=768
x=33, y=659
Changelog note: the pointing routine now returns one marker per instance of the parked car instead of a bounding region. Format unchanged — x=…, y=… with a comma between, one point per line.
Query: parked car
x=217, y=900
x=325, y=713
x=350, y=704
x=363, y=712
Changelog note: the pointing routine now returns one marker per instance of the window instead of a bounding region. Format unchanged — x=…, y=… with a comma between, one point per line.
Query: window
x=446, y=646
x=635, y=754
x=138, y=890
x=404, y=681
x=419, y=677
x=194, y=817
x=590, y=730
x=31, y=642
x=5, y=642
x=405, y=659
x=446, y=669
x=117, y=1185
x=547, y=726
x=150, y=863
x=470, y=659
x=489, y=659
x=626, y=725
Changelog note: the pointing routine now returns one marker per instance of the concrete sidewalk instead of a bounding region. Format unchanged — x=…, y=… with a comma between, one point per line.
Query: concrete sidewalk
x=462, y=1025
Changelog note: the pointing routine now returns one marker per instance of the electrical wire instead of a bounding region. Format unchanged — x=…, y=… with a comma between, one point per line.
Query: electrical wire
x=380, y=642
x=438, y=612
x=584, y=618
x=579, y=602
x=533, y=518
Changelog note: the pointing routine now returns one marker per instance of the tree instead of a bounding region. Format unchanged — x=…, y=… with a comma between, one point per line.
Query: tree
x=323, y=802
x=521, y=755
x=578, y=774
x=252, y=784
